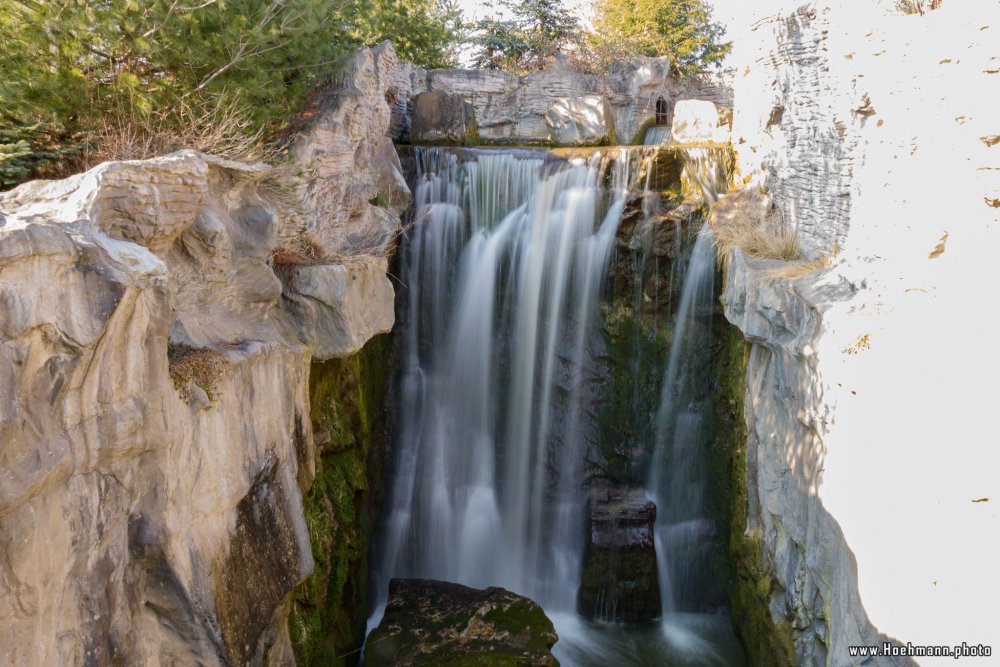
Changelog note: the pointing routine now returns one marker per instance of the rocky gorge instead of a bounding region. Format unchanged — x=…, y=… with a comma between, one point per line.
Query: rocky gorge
x=206, y=391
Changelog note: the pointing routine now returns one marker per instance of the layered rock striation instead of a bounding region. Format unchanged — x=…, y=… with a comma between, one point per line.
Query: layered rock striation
x=157, y=326
x=559, y=105
x=864, y=406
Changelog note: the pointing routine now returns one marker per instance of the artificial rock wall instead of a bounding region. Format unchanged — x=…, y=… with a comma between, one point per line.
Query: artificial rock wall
x=561, y=106
x=869, y=428
x=157, y=323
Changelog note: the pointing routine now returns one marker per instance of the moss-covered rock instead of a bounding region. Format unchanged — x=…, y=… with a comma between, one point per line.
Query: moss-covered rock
x=327, y=620
x=768, y=644
x=443, y=624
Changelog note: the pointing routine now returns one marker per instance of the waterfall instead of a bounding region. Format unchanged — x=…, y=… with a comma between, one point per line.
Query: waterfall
x=657, y=135
x=678, y=472
x=503, y=271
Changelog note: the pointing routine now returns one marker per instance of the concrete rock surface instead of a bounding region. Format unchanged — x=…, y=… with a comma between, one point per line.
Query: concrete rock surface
x=867, y=409
x=155, y=436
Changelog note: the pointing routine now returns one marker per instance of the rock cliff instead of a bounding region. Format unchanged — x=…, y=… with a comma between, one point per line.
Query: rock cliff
x=864, y=400
x=561, y=106
x=157, y=326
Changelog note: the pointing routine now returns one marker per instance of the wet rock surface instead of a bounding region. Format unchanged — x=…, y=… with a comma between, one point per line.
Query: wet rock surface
x=620, y=581
x=430, y=622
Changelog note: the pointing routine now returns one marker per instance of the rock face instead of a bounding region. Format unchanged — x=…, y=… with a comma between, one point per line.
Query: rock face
x=338, y=307
x=431, y=622
x=442, y=118
x=875, y=142
x=139, y=528
x=579, y=120
x=620, y=581
x=353, y=189
x=154, y=397
x=559, y=104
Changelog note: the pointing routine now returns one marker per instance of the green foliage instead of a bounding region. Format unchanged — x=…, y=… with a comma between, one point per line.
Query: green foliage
x=32, y=149
x=681, y=29
x=423, y=31
x=73, y=66
x=538, y=30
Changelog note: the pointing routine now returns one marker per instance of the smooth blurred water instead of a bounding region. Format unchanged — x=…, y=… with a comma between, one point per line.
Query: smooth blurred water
x=503, y=271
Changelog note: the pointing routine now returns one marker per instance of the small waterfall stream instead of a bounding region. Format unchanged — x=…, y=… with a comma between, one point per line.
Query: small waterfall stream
x=503, y=272
x=677, y=479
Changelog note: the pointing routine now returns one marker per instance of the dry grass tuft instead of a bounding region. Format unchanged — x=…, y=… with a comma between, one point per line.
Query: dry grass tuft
x=301, y=252
x=201, y=366
x=747, y=220
x=798, y=268
x=217, y=127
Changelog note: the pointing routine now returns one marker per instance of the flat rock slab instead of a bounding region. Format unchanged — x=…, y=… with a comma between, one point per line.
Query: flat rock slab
x=430, y=622
x=620, y=580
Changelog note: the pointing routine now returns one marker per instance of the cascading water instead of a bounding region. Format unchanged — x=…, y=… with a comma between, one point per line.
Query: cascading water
x=504, y=271
x=678, y=473
x=657, y=135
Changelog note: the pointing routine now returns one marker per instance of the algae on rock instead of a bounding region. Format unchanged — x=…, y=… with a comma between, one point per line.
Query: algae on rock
x=768, y=644
x=327, y=620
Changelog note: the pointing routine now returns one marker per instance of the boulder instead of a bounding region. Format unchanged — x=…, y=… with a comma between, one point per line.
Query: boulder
x=440, y=117
x=431, y=622
x=620, y=580
x=700, y=122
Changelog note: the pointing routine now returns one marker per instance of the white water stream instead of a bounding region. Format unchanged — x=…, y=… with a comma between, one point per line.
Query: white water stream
x=503, y=272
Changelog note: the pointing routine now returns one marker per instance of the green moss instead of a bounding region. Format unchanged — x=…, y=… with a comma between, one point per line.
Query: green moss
x=328, y=610
x=472, y=137
x=768, y=644
x=521, y=617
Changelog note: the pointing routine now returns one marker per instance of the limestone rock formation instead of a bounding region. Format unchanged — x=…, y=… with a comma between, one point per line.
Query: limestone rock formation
x=154, y=398
x=620, y=581
x=872, y=145
x=440, y=117
x=431, y=622
x=560, y=104
x=137, y=527
x=353, y=189
x=579, y=120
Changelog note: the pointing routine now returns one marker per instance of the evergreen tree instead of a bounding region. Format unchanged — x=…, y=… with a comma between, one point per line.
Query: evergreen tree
x=70, y=67
x=537, y=31
x=680, y=29
x=424, y=32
